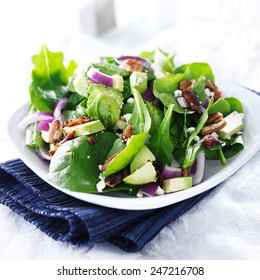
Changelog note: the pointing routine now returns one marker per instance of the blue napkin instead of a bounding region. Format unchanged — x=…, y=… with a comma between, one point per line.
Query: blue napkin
x=68, y=219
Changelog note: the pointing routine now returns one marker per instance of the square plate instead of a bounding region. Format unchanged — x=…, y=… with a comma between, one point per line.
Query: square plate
x=214, y=173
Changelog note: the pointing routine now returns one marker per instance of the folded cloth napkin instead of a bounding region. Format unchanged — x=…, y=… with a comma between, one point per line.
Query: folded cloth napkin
x=67, y=219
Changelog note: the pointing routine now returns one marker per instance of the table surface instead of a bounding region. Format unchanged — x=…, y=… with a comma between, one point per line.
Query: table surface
x=225, y=225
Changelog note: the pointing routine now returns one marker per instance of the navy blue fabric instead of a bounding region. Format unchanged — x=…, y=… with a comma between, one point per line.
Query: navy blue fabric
x=68, y=219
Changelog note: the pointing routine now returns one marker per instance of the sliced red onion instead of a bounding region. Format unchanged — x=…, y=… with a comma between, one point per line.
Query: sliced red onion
x=148, y=94
x=200, y=169
x=59, y=106
x=149, y=189
x=42, y=154
x=182, y=102
x=169, y=172
x=44, y=125
x=146, y=63
x=206, y=104
x=194, y=167
x=39, y=116
x=100, y=78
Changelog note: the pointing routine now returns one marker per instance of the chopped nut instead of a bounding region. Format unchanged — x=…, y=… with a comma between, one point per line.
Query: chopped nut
x=115, y=179
x=91, y=140
x=55, y=131
x=214, y=127
x=69, y=136
x=215, y=117
x=212, y=87
x=210, y=142
x=187, y=85
x=128, y=133
x=132, y=65
x=77, y=121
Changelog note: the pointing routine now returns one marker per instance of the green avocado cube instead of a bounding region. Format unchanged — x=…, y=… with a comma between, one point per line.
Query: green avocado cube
x=177, y=184
x=143, y=175
x=85, y=128
x=141, y=158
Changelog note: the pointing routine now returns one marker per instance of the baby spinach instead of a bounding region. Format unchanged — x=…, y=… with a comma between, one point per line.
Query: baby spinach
x=75, y=164
x=161, y=144
x=49, y=79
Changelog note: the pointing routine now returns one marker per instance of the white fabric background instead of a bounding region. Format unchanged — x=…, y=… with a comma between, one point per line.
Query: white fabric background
x=225, y=225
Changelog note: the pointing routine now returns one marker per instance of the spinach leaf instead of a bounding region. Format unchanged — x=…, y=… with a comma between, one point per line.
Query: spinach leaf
x=160, y=143
x=196, y=70
x=163, y=61
x=75, y=164
x=235, y=104
x=49, y=79
x=222, y=106
x=156, y=115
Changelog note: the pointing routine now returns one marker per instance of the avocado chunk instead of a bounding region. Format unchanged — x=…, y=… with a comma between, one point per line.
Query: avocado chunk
x=141, y=158
x=85, y=128
x=234, y=124
x=138, y=80
x=118, y=82
x=143, y=175
x=177, y=184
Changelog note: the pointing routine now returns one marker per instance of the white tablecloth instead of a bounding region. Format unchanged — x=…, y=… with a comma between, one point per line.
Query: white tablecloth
x=225, y=225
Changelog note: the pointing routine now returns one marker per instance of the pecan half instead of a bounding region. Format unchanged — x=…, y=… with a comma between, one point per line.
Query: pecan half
x=55, y=131
x=214, y=127
x=211, y=141
x=132, y=65
x=128, y=133
x=77, y=121
x=215, y=117
x=212, y=87
x=69, y=136
x=115, y=179
x=193, y=101
x=187, y=85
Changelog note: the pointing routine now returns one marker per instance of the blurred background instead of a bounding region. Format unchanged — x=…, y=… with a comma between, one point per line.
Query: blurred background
x=224, y=33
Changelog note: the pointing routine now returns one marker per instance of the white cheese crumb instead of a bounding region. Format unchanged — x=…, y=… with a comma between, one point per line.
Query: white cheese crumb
x=214, y=134
x=127, y=117
x=209, y=92
x=139, y=194
x=100, y=167
x=177, y=93
x=100, y=185
x=130, y=100
x=190, y=129
x=139, y=80
x=159, y=191
x=196, y=138
x=128, y=141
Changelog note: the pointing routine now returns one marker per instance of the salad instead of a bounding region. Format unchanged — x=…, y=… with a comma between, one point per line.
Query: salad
x=138, y=124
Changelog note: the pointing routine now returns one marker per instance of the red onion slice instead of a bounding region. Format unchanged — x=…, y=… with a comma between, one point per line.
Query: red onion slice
x=169, y=172
x=100, y=78
x=59, y=106
x=39, y=116
x=149, y=189
x=148, y=95
x=44, y=125
x=146, y=63
x=200, y=169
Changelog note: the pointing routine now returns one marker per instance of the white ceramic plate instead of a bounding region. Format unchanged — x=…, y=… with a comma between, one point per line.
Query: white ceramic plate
x=214, y=174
